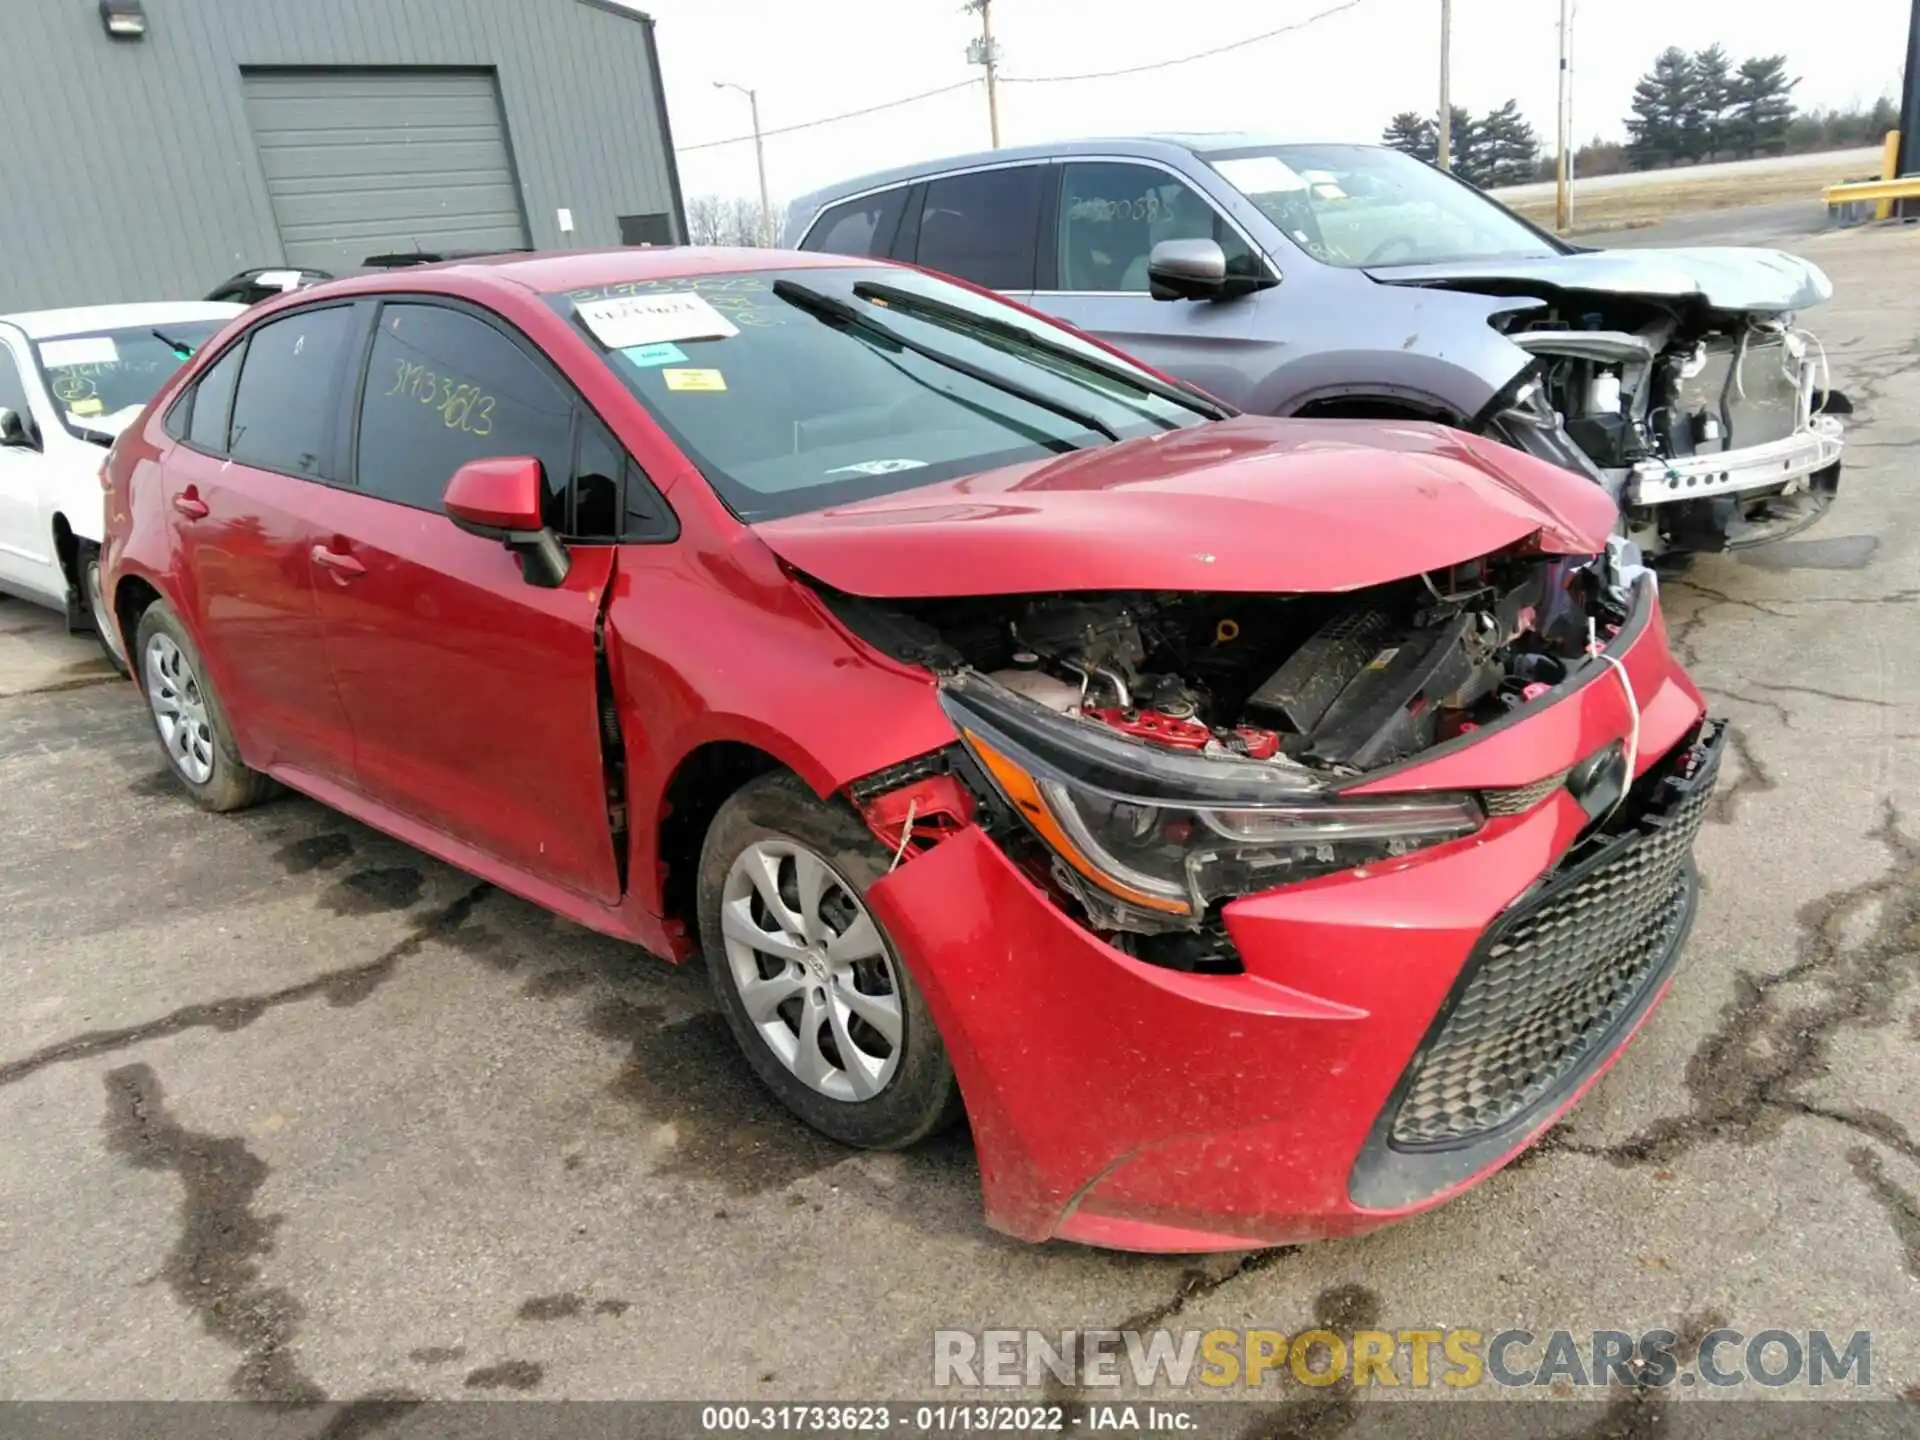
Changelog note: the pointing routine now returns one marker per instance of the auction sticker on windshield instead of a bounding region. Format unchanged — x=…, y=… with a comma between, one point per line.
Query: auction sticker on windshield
x=629, y=321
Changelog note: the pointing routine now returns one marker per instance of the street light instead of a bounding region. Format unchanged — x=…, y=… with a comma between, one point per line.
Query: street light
x=759, y=155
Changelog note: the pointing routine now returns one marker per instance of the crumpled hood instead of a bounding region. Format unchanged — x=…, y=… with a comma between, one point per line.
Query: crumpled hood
x=1248, y=504
x=1724, y=277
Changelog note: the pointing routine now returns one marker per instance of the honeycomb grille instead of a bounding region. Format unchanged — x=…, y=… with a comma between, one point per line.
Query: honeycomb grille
x=1521, y=798
x=1555, y=972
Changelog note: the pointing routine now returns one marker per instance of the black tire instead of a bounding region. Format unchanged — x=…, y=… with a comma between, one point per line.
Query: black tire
x=93, y=596
x=920, y=1097
x=230, y=785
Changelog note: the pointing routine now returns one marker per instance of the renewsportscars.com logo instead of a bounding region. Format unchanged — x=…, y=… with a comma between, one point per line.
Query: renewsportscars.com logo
x=1453, y=1357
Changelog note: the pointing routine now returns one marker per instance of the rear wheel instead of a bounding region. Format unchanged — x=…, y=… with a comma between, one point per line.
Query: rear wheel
x=187, y=718
x=819, y=1001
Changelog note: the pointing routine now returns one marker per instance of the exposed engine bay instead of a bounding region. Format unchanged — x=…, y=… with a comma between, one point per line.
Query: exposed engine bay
x=1177, y=748
x=1340, y=684
x=1712, y=430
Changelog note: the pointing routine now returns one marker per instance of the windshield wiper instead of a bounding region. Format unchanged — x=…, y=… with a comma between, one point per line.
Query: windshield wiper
x=925, y=307
x=181, y=350
x=826, y=307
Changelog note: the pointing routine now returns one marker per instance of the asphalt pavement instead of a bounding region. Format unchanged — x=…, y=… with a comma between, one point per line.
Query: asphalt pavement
x=289, y=1111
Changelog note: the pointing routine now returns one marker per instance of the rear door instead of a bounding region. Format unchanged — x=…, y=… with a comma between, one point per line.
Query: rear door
x=256, y=454
x=470, y=692
x=1108, y=216
x=982, y=225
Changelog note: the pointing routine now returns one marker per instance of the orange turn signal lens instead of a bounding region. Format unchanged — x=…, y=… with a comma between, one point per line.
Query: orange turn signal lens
x=1023, y=792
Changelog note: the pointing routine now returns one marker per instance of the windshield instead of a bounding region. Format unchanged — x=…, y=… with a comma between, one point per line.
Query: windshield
x=841, y=384
x=101, y=379
x=1358, y=205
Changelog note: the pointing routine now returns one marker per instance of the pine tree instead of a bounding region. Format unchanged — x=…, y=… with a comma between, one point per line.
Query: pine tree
x=1507, y=150
x=1463, y=145
x=1715, y=91
x=1762, y=106
x=1665, y=128
x=1411, y=134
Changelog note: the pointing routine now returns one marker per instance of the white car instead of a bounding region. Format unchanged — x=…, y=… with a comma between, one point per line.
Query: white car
x=70, y=382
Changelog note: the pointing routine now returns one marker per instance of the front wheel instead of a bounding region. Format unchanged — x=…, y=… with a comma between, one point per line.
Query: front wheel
x=812, y=987
x=105, y=629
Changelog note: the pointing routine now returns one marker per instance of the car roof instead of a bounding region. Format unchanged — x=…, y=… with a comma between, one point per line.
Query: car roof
x=563, y=270
x=1155, y=146
x=81, y=319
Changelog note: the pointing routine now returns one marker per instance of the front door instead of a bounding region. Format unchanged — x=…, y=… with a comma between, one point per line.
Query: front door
x=27, y=563
x=1110, y=215
x=470, y=692
x=256, y=459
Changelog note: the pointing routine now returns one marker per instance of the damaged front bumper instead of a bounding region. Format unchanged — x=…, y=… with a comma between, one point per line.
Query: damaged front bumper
x=1782, y=467
x=1120, y=1103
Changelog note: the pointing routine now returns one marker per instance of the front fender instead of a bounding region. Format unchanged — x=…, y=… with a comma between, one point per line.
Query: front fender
x=1434, y=350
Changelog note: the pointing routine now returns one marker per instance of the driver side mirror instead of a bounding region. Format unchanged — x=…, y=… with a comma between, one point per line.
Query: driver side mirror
x=16, y=431
x=1187, y=270
x=500, y=500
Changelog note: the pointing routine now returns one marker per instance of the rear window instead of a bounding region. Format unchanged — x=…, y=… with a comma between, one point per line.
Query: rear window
x=785, y=411
x=859, y=227
x=101, y=379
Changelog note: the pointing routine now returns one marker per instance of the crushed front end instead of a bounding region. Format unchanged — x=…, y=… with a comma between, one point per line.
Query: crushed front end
x=1250, y=919
x=1714, y=430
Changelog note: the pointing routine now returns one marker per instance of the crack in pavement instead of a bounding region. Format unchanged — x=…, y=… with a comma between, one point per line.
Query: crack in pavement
x=1903, y=1211
x=1195, y=1284
x=341, y=988
x=1755, y=779
x=1827, y=695
x=214, y=1269
x=1743, y=1078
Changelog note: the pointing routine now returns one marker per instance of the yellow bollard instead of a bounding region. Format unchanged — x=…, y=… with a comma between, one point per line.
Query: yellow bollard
x=1889, y=170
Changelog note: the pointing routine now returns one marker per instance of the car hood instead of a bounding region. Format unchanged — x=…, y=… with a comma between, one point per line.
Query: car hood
x=1247, y=504
x=1725, y=277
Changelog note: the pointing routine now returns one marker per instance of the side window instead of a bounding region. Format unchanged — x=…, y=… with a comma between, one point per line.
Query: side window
x=981, y=226
x=212, y=402
x=444, y=388
x=284, y=406
x=13, y=392
x=859, y=227
x=1112, y=215
x=596, y=485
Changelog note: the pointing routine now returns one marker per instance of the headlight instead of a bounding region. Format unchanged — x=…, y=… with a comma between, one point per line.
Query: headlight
x=1169, y=833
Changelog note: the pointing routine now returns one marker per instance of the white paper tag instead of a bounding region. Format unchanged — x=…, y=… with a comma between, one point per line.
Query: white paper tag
x=281, y=280
x=629, y=320
x=1260, y=174
x=85, y=350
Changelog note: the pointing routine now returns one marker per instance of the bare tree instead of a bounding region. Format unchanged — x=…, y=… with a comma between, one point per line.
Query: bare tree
x=707, y=219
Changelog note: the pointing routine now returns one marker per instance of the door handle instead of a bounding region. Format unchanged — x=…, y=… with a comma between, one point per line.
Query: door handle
x=190, y=505
x=344, y=566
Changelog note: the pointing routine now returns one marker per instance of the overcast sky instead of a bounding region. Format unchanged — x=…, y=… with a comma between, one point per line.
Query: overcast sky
x=1339, y=78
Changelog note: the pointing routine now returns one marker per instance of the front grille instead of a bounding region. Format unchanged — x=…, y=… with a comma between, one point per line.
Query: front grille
x=1549, y=981
x=1521, y=798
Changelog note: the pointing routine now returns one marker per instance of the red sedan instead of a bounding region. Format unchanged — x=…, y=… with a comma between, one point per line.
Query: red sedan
x=1258, y=830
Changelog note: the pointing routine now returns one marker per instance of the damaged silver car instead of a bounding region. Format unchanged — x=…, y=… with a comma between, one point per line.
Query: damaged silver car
x=1355, y=282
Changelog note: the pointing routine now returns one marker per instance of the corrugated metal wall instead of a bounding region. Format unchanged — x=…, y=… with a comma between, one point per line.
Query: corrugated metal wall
x=129, y=170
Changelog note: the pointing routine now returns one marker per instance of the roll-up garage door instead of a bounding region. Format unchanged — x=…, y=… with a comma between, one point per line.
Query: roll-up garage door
x=370, y=162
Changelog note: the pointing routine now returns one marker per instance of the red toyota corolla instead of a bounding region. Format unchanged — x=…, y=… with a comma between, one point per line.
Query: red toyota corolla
x=1259, y=830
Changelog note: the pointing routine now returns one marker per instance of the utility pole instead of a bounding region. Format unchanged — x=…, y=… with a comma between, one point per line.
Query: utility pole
x=767, y=237
x=981, y=52
x=1444, y=156
x=1562, y=188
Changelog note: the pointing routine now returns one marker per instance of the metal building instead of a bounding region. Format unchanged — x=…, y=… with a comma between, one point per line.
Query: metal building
x=155, y=147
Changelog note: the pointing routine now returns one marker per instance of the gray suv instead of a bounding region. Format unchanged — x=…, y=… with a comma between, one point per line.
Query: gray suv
x=1353, y=281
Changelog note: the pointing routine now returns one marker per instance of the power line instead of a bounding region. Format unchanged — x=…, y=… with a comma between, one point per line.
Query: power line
x=1184, y=59
x=832, y=119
